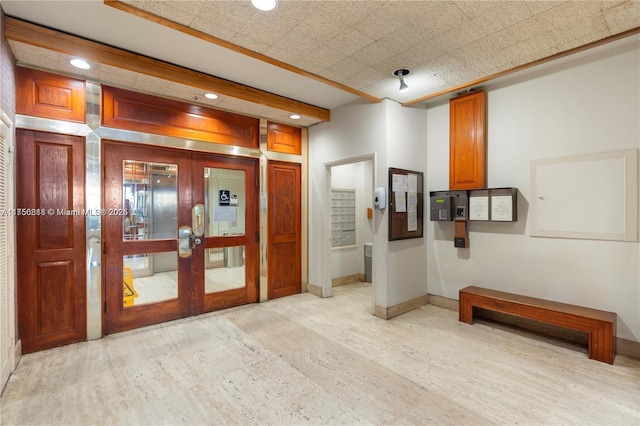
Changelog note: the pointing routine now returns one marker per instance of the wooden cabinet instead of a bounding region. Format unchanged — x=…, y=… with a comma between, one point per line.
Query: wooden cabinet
x=283, y=138
x=41, y=94
x=467, y=144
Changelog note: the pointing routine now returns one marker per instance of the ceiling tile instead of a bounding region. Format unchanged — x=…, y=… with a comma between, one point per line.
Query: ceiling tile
x=347, y=67
x=446, y=44
x=390, y=17
x=182, y=12
x=623, y=17
x=349, y=41
x=208, y=26
x=232, y=14
x=117, y=76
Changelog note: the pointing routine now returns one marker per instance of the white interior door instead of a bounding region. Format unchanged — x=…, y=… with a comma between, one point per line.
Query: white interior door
x=7, y=258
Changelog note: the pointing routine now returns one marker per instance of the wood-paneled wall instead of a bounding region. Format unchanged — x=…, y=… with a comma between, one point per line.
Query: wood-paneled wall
x=46, y=95
x=284, y=138
x=123, y=109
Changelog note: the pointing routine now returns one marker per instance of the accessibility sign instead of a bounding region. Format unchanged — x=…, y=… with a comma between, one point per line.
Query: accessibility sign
x=224, y=199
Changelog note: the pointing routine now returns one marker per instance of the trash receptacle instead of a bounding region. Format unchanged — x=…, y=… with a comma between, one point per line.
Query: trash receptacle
x=233, y=256
x=368, y=257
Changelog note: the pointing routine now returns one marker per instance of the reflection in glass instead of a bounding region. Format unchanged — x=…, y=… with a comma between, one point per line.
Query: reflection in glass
x=156, y=284
x=225, y=202
x=149, y=200
x=224, y=269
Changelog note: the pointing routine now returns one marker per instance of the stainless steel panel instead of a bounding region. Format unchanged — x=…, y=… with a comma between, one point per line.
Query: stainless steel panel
x=93, y=188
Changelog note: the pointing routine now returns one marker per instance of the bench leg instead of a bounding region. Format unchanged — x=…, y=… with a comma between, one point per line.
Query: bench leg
x=602, y=344
x=465, y=309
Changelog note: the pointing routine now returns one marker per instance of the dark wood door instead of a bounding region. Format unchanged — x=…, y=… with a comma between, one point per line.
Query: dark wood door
x=51, y=239
x=137, y=178
x=157, y=266
x=285, y=229
x=225, y=263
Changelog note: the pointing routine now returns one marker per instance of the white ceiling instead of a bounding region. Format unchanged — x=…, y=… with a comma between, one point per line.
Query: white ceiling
x=357, y=45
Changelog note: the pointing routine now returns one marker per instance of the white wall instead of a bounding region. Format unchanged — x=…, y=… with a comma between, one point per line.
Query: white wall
x=584, y=104
x=350, y=260
x=361, y=130
x=407, y=149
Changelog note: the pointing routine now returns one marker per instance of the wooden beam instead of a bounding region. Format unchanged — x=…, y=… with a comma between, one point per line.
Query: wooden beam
x=125, y=7
x=35, y=35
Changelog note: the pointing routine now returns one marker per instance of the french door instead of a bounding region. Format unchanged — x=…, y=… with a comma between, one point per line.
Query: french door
x=180, y=234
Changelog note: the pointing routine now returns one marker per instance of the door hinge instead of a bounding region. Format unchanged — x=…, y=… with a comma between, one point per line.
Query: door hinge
x=105, y=307
x=257, y=181
x=258, y=284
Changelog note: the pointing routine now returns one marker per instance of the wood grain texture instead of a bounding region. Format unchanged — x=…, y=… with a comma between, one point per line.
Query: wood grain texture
x=284, y=138
x=51, y=255
x=192, y=298
x=212, y=39
x=600, y=325
x=46, y=38
x=284, y=243
x=123, y=109
x=467, y=142
x=46, y=95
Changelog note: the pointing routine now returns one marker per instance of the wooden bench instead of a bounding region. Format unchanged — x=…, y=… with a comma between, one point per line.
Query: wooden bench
x=599, y=325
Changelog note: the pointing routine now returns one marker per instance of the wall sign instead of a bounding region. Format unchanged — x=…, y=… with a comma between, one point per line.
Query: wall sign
x=224, y=197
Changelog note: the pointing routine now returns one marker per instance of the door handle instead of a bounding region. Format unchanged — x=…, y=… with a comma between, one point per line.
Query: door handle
x=197, y=212
x=184, y=241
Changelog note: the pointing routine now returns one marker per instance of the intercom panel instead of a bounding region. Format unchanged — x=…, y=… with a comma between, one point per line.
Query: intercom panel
x=441, y=208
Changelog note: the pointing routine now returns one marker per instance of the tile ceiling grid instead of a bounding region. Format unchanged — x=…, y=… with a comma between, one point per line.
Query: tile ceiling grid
x=445, y=43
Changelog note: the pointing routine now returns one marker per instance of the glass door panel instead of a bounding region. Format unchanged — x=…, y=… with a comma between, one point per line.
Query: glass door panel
x=224, y=269
x=185, y=240
x=225, y=201
x=153, y=288
x=228, y=255
x=148, y=190
x=225, y=205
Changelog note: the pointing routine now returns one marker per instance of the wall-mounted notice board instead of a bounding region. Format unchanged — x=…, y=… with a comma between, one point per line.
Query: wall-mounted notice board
x=495, y=204
x=592, y=196
x=405, y=204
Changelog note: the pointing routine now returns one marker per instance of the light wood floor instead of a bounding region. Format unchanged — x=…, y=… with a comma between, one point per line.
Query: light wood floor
x=307, y=360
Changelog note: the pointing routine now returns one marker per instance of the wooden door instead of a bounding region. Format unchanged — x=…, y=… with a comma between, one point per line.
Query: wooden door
x=140, y=242
x=225, y=262
x=51, y=239
x=169, y=254
x=285, y=229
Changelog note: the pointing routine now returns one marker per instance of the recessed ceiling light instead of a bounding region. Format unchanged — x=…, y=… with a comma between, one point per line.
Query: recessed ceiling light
x=294, y=117
x=264, y=4
x=80, y=63
x=211, y=96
